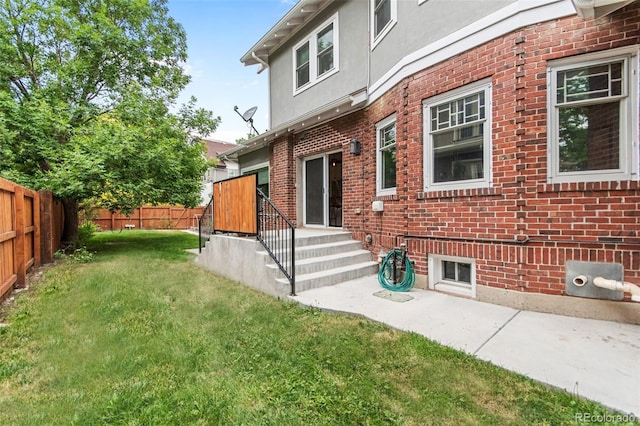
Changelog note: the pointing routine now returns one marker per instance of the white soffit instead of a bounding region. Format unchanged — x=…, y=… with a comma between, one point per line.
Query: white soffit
x=589, y=9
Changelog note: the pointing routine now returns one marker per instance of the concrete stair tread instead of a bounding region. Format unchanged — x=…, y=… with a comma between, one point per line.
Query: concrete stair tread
x=330, y=257
x=331, y=244
x=337, y=245
x=334, y=271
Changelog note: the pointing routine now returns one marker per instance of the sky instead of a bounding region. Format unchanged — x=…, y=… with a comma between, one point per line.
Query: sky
x=219, y=32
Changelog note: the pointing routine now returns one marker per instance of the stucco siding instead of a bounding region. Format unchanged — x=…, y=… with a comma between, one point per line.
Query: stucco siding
x=421, y=24
x=352, y=64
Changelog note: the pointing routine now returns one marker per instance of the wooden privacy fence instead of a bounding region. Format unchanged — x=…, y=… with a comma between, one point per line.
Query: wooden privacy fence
x=30, y=231
x=150, y=217
x=235, y=205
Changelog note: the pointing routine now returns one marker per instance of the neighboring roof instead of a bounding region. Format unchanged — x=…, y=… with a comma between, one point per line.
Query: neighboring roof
x=294, y=20
x=215, y=148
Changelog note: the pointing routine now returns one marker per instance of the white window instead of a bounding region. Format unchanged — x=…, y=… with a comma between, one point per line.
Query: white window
x=593, y=117
x=316, y=57
x=386, y=156
x=384, y=15
x=452, y=275
x=457, y=146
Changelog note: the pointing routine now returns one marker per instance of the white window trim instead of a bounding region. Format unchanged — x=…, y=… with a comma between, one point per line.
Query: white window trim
x=486, y=180
x=379, y=126
x=254, y=167
x=312, y=39
x=375, y=39
x=437, y=283
x=628, y=118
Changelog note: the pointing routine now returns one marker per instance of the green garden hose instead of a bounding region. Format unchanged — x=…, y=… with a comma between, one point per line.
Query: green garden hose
x=405, y=276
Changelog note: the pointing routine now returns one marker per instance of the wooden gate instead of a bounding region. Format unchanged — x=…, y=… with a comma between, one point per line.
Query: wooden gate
x=235, y=205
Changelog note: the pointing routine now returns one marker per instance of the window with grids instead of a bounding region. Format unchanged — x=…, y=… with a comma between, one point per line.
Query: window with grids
x=458, y=143
x=316, y=57
x=591, y=121
x=386, y=156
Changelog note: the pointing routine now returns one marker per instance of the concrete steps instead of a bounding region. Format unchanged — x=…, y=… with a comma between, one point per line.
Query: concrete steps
x=323, y=260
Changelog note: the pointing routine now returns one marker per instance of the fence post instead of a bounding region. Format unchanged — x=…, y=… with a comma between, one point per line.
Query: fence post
x=37, y=256
x=19, y=260
x=46, y=226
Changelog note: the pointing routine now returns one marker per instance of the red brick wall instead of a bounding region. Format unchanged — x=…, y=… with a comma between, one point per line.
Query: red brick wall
x=522, y=230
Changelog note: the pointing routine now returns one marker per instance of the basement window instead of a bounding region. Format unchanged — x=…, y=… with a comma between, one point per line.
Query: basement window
x=452, y=275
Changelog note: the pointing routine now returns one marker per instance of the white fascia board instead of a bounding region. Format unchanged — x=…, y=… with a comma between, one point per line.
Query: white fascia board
x=517, y=15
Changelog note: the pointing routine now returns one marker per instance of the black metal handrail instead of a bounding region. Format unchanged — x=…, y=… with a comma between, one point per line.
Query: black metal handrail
x=277, y=235
x=205, y=224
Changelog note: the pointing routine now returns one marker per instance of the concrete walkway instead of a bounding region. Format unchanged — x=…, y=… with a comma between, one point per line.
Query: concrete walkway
x=597, y=360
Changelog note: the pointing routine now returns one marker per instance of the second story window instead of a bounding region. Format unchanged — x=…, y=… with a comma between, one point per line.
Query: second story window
x=384, y=16
x=302, y=65
x=325, y=50
x=316, y=57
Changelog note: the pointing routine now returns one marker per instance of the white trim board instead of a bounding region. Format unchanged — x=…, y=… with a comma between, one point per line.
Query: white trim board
x=517, y=15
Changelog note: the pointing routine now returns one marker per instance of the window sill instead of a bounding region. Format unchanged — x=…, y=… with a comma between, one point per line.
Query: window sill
x=386, y=197
x=451, y=193
x=621, y=185
x=453, y=288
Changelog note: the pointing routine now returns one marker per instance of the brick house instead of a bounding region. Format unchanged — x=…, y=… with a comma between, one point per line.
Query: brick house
x=497, y=139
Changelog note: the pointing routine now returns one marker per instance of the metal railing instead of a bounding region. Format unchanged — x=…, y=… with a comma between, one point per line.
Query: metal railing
x=277, y=235
x=205, y=225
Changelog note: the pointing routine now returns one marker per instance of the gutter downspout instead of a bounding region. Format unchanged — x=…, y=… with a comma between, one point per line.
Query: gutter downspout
x=263, y=64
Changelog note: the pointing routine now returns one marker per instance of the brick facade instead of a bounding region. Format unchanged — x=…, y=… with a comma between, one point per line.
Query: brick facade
x=521, y=230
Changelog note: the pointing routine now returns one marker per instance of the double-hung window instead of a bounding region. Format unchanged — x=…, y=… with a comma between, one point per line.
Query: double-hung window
x=384, y=14
x=316, y=57
x=386, y=156
x=593, y=117
x=458, y=139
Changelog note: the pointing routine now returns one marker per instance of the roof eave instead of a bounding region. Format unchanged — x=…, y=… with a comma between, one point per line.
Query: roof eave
x=338, y=108
x=593, y=9
x=291, y=23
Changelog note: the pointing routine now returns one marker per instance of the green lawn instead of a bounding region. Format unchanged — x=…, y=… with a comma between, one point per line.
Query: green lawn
x=142, y=335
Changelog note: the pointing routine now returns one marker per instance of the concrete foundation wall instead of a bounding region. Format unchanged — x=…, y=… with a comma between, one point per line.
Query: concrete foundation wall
x=240, y=259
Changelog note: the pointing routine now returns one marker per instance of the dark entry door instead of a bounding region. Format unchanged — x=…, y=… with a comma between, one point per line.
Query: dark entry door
x=314, y=191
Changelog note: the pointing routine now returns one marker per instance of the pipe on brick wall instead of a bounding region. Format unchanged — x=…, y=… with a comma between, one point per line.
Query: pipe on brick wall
x=624, y=286
x=473, y=240
x=525, y=240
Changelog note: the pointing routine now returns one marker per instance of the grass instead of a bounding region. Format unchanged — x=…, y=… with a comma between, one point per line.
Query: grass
x=142, y=335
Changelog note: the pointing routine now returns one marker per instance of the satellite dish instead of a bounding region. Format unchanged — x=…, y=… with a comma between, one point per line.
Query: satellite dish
x=248, y=114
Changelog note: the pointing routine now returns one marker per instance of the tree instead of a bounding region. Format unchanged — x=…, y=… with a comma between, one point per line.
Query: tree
x=86, y=91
